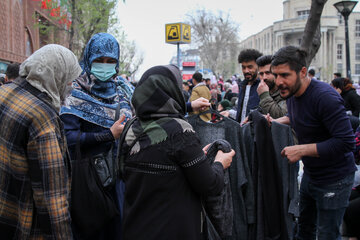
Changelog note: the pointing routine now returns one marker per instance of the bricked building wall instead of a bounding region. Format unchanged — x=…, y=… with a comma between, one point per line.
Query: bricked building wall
x=19, y=34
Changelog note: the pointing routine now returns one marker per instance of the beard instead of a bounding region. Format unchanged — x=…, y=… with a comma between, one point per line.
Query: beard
x=250, y=76
x=292, y=90
x=271, y=84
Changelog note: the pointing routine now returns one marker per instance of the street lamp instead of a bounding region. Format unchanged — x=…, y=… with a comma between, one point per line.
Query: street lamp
x=345, y=8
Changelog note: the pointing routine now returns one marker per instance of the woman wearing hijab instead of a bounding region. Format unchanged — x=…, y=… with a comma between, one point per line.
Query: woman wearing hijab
x=35, y=167
x=165, y=170
x=92, y=107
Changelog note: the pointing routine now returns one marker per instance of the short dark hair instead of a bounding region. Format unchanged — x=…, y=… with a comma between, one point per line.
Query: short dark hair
x=248, y=55
x=293, y=56
x=337, y=74
x=197, y=76
x=338, y=83
x=312, y=72
x=264, y=60
x=12, y=70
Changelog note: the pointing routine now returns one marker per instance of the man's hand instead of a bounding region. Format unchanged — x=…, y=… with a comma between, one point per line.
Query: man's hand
x=292, y=153
x=295, y=153
x=117, y=128
x=246, y=120
x=200, y=104
x=263, y=87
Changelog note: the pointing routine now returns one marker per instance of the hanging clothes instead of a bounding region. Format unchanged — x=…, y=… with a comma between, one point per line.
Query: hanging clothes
x=275, y=180
x=239, y=172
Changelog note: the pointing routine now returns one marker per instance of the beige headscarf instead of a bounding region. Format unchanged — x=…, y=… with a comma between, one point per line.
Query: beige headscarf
x=50, y=69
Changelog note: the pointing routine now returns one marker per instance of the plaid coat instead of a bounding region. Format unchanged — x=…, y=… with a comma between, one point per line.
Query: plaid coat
x=34, y=166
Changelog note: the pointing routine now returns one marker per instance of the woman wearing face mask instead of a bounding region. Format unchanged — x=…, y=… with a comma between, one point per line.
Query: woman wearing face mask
x=92, y=106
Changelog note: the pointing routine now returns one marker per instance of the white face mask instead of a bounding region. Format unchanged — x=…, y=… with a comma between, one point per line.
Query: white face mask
x=103, y=71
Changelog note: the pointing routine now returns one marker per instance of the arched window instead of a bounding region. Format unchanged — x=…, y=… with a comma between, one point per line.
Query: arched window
x=28, y=43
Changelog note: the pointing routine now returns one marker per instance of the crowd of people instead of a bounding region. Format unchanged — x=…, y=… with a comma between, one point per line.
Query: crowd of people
x=85, y=154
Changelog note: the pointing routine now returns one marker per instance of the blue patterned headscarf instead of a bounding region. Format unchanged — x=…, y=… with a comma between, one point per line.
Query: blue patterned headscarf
x=96, y=101
x=100, y=45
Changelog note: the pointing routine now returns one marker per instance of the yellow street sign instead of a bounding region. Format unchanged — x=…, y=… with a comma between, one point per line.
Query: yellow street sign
x=177, y=33
x=173, y=32
x=186, y=33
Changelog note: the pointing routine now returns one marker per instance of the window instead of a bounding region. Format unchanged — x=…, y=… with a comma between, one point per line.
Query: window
x=357, y=69
x=303, y=13
x=357, y=51
x=339, y=52
x=357, y=28
x=339, y=67
x=340, y=18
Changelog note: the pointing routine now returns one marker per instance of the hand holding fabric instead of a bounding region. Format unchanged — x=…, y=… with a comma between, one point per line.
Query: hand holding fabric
x=200, y=104
x=224, y=158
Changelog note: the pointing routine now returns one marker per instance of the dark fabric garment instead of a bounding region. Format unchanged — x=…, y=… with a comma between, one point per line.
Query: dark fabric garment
x=164, y=184
x=270, y=180
x=94, y=139
x=318, y=116
x=188, y=107
x=220, y=208
x=352, y=215
x=322, y=208
x=254, y=99
x=351, y=101
x=239, y=173
x=282, y=137
x=165, y=172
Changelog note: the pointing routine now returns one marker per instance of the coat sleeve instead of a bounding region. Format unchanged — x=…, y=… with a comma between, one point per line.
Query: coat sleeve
x=276, y=109
x=205, y=178
x=50, y=182
x=72, y=125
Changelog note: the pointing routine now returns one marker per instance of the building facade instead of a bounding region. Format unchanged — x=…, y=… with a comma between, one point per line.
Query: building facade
x=331, y=56
x=27, y=25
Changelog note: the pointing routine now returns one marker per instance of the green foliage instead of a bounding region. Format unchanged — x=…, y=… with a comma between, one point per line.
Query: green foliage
x=89, y=18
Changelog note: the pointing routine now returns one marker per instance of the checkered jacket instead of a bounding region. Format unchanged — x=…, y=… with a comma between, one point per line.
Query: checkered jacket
x=34, y=166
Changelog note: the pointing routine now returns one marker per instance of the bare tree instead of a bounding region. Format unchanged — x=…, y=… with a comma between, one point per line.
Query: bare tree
x=216, y=37
x=311, y=39
x=130, y=59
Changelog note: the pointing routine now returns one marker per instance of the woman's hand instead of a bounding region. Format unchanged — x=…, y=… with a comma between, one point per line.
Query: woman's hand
x=224, y=158
x=117, y=128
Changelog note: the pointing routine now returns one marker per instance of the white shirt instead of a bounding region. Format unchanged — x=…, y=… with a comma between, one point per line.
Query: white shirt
x=245, y=102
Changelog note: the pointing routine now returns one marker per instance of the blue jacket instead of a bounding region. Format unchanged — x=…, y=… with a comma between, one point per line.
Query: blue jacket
x=254, y=99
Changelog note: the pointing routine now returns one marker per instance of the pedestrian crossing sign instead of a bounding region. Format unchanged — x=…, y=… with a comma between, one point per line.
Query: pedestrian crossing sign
x=177, y=33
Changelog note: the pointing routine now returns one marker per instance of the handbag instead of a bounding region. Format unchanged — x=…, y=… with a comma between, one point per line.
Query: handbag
x=92, y=202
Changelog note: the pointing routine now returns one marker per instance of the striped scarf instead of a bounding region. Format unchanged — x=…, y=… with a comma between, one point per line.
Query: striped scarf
x=160, y=107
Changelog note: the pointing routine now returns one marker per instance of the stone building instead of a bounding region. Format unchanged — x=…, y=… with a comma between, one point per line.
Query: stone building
x=23, y=31
x=330, y=57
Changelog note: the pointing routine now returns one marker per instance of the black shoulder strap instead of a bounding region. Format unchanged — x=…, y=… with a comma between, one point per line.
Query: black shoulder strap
x=120, y=158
